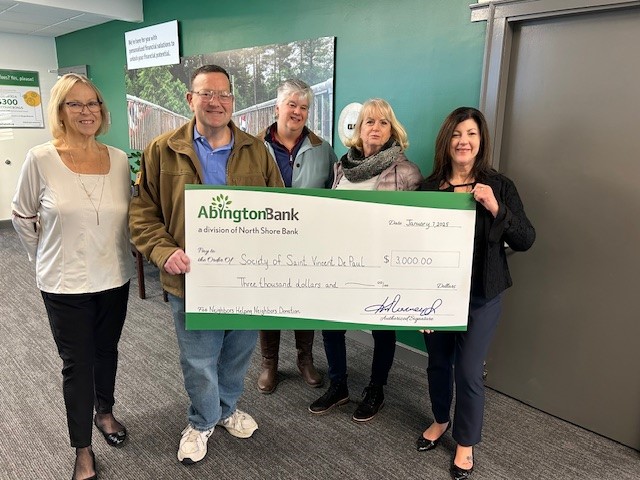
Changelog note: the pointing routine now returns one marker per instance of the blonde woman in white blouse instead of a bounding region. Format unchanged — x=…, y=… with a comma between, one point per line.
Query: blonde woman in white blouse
x=71, y=212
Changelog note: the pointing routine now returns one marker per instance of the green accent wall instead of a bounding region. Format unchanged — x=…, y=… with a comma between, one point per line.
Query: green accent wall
x=423, y=56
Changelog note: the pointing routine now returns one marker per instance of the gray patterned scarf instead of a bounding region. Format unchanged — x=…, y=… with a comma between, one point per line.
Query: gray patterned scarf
x=358, y=168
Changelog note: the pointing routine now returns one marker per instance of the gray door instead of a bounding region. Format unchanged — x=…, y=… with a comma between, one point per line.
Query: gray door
x=569, y=339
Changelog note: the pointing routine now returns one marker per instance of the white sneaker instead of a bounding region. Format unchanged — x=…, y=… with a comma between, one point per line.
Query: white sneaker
x=239, y=424
x=193, y=445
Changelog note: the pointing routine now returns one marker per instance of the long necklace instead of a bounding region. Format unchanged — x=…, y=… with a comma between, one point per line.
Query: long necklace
x=84, y=187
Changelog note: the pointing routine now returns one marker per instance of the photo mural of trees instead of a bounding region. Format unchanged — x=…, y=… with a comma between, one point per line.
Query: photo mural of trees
x=159, y=86
x=255, y=73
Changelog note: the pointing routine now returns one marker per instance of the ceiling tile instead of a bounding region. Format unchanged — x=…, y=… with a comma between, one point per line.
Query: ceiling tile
x=21, y=17
x=6, y=3
x=29, y=19
x=12, y=27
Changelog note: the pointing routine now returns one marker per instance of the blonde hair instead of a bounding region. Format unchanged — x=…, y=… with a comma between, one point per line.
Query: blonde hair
x=382, y=108
x=59, y=93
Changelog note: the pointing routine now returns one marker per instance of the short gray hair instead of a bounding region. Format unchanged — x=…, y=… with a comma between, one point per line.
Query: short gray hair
x=293, y=87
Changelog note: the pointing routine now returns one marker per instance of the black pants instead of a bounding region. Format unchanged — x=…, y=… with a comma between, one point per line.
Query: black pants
x=86, y=328
x=461, y=355
x=383, y=351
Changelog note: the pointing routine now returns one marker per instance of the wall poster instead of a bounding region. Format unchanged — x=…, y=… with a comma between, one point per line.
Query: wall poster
x=20, y=100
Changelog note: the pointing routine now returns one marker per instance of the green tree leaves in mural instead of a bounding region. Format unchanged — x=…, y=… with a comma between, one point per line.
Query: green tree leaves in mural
x=315, y=62
x=157, y=85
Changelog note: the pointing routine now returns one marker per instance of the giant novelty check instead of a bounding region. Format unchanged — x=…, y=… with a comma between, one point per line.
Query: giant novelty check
x=275, y=258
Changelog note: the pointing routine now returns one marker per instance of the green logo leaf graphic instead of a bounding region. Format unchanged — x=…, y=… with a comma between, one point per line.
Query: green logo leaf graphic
x=221, y=201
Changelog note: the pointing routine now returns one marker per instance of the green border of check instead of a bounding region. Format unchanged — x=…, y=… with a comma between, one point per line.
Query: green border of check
x=223, y=321
x=457, y=201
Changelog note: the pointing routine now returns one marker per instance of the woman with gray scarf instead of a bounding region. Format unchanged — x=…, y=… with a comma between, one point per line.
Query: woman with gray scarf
x=375, y=161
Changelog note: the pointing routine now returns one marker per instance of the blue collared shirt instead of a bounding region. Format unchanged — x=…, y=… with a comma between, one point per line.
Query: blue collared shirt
x=213, y=160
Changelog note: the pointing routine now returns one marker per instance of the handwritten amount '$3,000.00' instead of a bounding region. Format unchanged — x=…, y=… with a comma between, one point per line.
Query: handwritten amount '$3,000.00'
x=411, y=260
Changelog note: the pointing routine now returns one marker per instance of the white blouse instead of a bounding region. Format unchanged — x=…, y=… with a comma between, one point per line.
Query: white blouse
x=73, y=253
x=344, y=184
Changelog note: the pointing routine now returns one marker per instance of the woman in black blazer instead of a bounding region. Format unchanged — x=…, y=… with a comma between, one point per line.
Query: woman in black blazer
x=462, y=164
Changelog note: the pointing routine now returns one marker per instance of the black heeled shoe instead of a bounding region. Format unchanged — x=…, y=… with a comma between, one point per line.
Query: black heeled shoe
x=424, y=445
x=115, y=439
x=92, y=477
x=458, y=473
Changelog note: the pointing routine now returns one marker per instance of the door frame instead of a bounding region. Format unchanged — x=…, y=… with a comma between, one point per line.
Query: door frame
x=502, y=16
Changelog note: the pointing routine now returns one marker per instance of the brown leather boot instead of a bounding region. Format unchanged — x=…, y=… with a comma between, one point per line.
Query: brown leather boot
x=269, y=346
x=304, y=345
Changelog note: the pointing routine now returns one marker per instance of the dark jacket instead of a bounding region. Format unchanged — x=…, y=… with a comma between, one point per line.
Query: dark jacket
x=490, y=272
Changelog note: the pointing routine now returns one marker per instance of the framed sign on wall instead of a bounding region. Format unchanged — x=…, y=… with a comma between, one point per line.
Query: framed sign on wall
x=20, y=100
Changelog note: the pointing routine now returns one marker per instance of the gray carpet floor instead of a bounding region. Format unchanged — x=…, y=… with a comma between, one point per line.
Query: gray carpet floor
x=519, y=442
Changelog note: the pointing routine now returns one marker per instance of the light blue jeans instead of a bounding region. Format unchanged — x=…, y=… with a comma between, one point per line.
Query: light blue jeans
x=214, y=364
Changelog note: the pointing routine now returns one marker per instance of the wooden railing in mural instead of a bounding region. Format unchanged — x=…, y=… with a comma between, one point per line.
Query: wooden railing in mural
x=256, y=118
x=148, y=120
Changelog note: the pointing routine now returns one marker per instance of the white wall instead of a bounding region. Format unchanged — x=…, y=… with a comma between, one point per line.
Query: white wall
x=23, y=52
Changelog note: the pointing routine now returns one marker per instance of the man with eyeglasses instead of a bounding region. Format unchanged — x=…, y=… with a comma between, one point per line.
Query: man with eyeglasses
x=209, y=150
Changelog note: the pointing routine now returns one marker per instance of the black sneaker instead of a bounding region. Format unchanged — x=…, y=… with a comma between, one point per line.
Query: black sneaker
x=372, y=402
x=337, y=394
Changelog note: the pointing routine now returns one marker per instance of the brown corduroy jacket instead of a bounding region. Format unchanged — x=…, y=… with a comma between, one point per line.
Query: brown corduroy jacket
x=156, y=215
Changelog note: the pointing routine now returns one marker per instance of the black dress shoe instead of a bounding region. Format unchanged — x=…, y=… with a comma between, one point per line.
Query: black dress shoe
x=115, y=439
x=424, y=445
x=458, y=473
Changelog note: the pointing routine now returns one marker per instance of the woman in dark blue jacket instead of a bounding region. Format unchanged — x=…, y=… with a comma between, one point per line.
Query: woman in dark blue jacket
x=462, y=164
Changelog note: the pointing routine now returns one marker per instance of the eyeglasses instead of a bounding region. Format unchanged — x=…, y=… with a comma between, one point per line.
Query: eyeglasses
x=77, y=107
x=208, y=95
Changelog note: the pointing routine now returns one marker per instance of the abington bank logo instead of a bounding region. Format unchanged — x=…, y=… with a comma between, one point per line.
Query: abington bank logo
x=220, y=209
